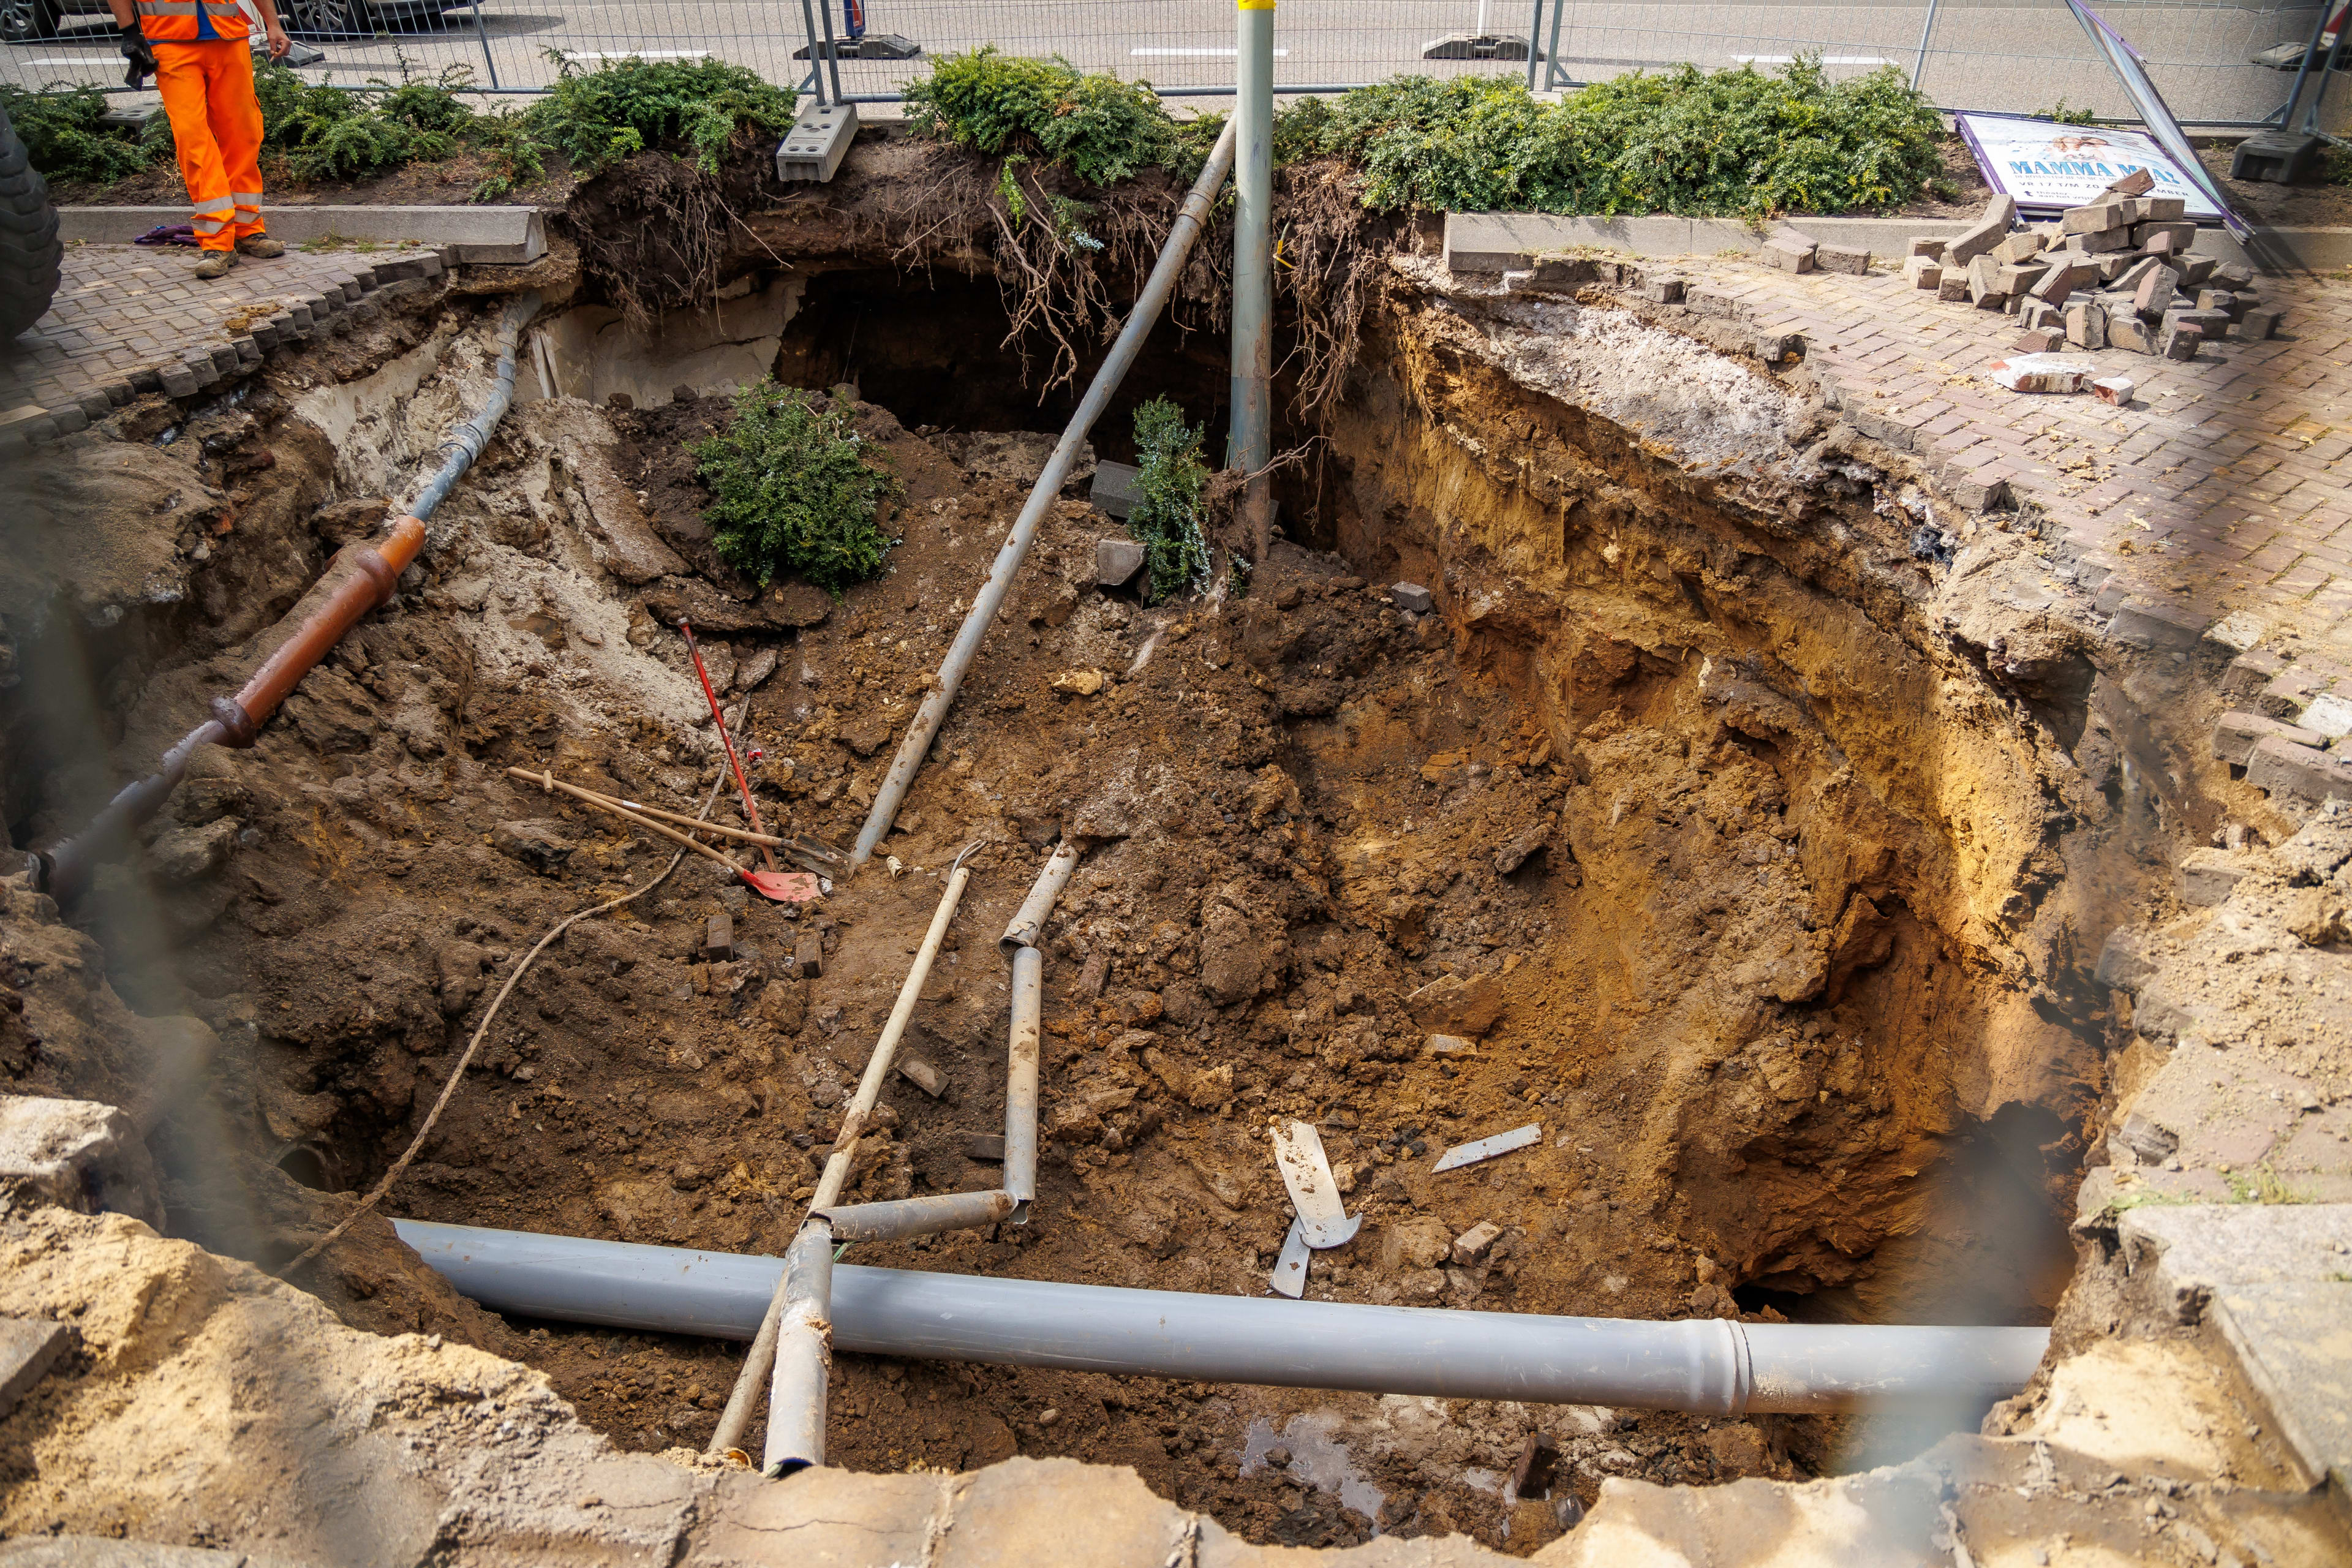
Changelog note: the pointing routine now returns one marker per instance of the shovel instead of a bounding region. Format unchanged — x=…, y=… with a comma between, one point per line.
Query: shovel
x=776, y=887
x=776, y=882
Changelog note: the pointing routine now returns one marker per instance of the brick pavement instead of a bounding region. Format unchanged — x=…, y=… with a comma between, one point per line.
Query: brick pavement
x=129, y=319
x=2223, y=490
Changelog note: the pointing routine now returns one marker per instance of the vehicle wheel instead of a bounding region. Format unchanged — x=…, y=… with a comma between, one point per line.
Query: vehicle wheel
x=22, y=21
x=324, y=18
x=29, y=248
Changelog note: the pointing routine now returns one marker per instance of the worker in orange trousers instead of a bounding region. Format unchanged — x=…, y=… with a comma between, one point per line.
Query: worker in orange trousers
x=197, y=52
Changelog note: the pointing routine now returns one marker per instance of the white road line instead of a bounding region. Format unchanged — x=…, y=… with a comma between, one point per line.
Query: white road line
x=1192, y=54
x=635, y=54
x=1826, y=60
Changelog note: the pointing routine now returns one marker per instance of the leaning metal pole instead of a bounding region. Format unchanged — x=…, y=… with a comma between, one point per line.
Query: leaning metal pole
x=1251, y=444
x=1009, y=556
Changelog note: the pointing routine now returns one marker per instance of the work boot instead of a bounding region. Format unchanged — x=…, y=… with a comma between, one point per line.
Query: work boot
x=260, y=246
x=215, y=264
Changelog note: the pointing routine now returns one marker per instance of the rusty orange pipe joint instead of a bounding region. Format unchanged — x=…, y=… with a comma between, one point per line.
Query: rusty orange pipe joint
x=369, y=575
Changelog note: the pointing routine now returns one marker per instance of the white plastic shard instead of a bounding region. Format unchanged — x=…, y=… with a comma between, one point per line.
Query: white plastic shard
x=1470, y=1153
x=1298, y=1154
x=1289, y=1277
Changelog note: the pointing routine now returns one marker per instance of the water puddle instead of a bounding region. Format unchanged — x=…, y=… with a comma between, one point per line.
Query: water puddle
x=1317, y=1459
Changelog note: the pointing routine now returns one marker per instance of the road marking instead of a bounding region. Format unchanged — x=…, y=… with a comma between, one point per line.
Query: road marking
x=637, y=54
x=99, y=61
x=1196, y=54
x=1826, y=60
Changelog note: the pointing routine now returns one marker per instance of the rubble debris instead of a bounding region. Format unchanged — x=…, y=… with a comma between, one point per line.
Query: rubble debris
x=536, y=844
x=1538, y=1467
x=1305, y=1171
x=2208, y=877
x=1530, y=840
x=28, y=1348
x=1117, y=560
x=1289, y=1276
x=2114, y=389
x=987, y=1147
x=1923, y=271
x=1788, y=252
x=2180, y=340
x=1114, y=490
x=1480, y=1149
x=2039, y=371
x=808, y=956
x=1079, y=683
x=1924, y=246
x=1470, y=1248
x=1987, y=232
x=1850, y=259
x=1412, y=597
x=718, y=939
x=1448, y=1046
x=925, y=1076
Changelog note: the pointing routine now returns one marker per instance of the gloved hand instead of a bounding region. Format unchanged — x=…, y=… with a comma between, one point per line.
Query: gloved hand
x=139, y=55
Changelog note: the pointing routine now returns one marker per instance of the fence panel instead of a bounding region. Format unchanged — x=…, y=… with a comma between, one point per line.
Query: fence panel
x=2015, y=56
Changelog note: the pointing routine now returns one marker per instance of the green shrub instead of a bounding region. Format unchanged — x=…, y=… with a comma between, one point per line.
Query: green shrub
x=791, y=489
x=1166, y=516
x=597, y=118
x=1104, y=129
x=62, y=135
x=1688, y=141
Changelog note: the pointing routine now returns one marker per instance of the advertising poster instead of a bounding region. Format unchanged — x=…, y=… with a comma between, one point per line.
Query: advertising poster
x=2047, y=166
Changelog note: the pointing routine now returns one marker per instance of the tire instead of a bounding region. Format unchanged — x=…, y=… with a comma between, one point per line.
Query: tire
x=327, y=19
x=23, y=21
x=30, y=251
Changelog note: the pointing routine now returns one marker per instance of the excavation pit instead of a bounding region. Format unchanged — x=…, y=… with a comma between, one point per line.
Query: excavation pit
x=1688, y=825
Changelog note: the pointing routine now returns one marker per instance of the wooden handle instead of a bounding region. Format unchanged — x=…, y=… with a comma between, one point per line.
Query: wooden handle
x=588, y=797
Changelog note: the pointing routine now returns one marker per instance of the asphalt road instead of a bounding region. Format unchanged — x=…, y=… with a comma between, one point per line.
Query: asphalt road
x=2020, y=56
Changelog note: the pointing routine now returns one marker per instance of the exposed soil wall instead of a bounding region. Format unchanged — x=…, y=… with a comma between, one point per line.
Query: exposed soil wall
x=1704, y=803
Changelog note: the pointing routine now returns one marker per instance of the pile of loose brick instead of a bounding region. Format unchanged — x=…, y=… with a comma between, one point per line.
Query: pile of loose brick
x=2114, y=274
x=2288, y=723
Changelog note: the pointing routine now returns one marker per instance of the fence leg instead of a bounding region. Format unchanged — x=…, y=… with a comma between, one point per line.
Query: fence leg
x=1534, y=31
x=482, y=33
x=816, y=65
x=1554, y=80
x=1927, y=31
x=832, y=49
x=1252, y=440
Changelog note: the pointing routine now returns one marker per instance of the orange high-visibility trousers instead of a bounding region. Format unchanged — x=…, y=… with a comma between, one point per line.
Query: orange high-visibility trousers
x=208, y=92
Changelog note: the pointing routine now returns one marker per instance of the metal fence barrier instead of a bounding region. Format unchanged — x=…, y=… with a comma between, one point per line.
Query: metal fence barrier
x=2013, y=56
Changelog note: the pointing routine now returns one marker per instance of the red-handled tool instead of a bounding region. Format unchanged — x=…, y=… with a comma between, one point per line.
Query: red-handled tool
x=782, y=887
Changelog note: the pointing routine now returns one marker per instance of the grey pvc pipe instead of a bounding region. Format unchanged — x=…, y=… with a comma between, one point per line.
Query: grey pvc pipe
x=1015, y=548
x=903, y=1217
x=1029, y=921
x=465, y=442
x=1251, y=444
x=1707, y=1366
x=804, y=1355
x=1027, y=1023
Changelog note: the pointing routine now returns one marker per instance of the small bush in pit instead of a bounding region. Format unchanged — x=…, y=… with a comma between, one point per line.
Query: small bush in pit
x=62, y=135
x=791, y=489
x=1166, y=513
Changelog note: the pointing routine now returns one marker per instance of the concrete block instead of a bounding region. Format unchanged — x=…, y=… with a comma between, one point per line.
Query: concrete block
x=28, y=1348
x=1787, y=255
x=1987, y=232
x=2240, y=631
x=2108, y=242
x=179, y=381
x=2062, y=278
x=1952, y=288
x=2329, y=714
x=2095, y=218
x=1114, y=489
x=2180, y=340
x=2234, y=275
x=2287, y=693
x=2255, y=325
x=2236, y=733
x=1117, y=561
x=78, y=1155
x=2038, y=370
x=2138, y=622
x=1985, y=291
x=2282, y=767
x=808, y=956
x=1974, y=495
x=2138, y=183
x=2183, y=233
x=2163, y=210
x=2114, y=389
x=1470, y=1248
x=475, y=233
x=2023, y=246
x=1413, y=597
x=2208, y=877
x=2019, y=277
x=2086, y=324
x=2194, y=270
x=1667, y=289
x=816, y=146
x=2128, y=331
x=2037, y=341
x=2153, y=293
x=1922, y=272
x=1926, y=246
